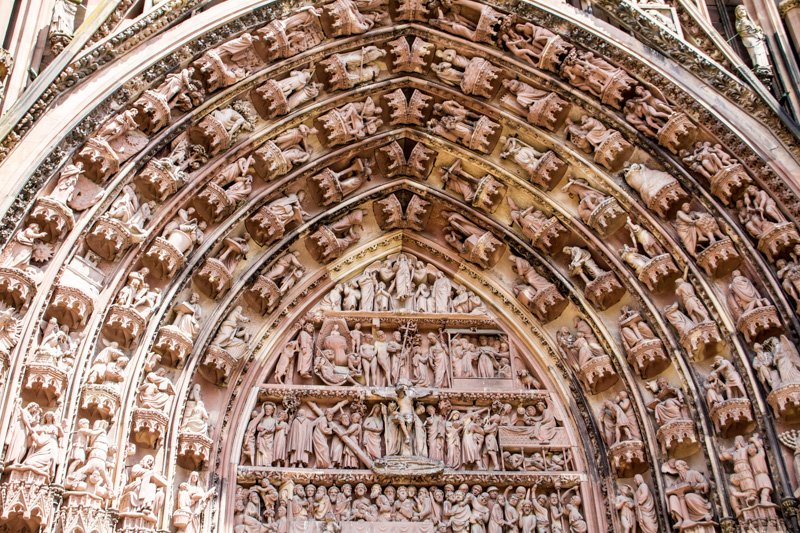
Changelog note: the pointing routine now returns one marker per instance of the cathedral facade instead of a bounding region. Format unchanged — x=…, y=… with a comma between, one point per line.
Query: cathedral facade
x=403, y=266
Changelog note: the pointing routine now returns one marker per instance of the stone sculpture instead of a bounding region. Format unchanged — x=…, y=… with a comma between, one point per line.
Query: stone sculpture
x=654, y=117
x=599, y=210
x=456, y=123
x=269, y=288
x=660, y=191
x=542, y=108
x=718, y=257
x=676, y=432
x=472, y=243
x=542, y=168
x=538, y=294
x=698, y=333
x=485, y=193
x=645, y=351
x=584, y=351
x=602, y=287
x=609, y=147
x=727, y=177
x=547, y=234
x=275, y=98
x=228, y=347
x=756, y=317
x=216, y=275
x=153, y=398
x=330, y=241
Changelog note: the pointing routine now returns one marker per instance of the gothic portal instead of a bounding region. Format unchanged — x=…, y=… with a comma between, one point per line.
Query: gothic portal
x=402, y=266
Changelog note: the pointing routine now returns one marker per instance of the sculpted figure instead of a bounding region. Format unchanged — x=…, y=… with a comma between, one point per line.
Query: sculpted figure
x=232, y=333
x=10, y=328
x=755, y=41
x=669, y=403
x=349, y=69
x=695, y=227
x=471, y=242
x=24, y=249
x=195, y=419
x=647, y=113
x=758, y=212
x=280, y=97
x=330, y=241
x=645, y=506
x=330, y=186
x=473, y=75
x=687, y=494
x=659, y=190
x=187, y=316
x=458, y=124
x=351, y=121
x=286, y=272
x=190, y=504
x=485, y=192
x=582, y=264
x=729, y=378
x=156, y=391
x=92, y=455
x=184, y=232
x=35, y=441
x=181, y=91
x=228, y=63
x=144, y=493
x=744, y=296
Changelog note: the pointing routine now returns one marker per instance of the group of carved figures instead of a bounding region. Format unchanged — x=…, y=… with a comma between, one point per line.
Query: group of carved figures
x=355, y=436
x=444, y=509
x=339, y=355
x=402, y=283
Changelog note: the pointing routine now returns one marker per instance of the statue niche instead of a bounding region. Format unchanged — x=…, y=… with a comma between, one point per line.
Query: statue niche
x=229, y=346
x=216, y=275
x=543, y=168
x=546, y=233
x=654, y=268
x=602, y=287
x=583, y=350
x=330, y=241
x=594, y=75
x=542, y=108
x=132, y=307
x=484, y=193
x=598, y=210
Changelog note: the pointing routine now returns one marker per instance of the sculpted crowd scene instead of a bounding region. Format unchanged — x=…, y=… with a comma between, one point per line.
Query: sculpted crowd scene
x=403, y=265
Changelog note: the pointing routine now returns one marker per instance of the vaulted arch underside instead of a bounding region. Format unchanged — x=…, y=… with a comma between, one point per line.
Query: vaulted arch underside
x=400, y=267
